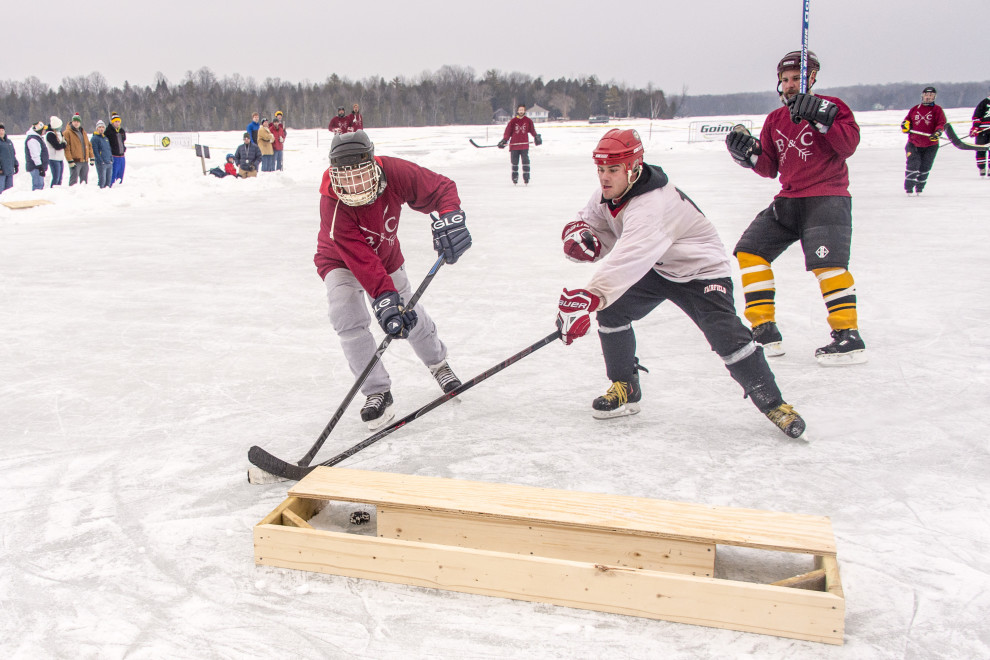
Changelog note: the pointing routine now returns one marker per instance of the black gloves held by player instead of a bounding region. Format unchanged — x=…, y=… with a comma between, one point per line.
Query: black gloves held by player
x=394, y=321
x=744, y=148
x=501, y=144
x=816, y=111
x=538, y=139
x=451, y=237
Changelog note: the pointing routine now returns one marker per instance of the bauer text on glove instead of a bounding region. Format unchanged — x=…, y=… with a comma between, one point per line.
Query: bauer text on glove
x=574, y=313
x=580, y=243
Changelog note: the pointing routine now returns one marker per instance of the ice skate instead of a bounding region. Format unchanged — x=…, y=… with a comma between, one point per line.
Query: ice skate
x=787, y=420
x=445, y=377
x=768, y=336
x=621, y=399
x=377, y=410
x=846, y=348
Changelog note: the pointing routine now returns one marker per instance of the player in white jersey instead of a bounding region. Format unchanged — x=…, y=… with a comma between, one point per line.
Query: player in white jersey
x=653, y=244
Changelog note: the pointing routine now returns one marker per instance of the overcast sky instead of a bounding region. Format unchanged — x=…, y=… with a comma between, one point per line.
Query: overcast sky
x=703, y=46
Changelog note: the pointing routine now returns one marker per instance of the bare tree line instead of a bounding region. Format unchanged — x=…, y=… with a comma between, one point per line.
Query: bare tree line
x=203, y=102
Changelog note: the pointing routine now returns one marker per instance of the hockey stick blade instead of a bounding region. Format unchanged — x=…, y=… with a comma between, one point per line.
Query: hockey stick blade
x=481, y=146
x=275, y=465
x=965, y=146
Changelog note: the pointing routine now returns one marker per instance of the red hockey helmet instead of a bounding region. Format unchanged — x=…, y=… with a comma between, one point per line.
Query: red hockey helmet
x=793, y=61
x=620, y=147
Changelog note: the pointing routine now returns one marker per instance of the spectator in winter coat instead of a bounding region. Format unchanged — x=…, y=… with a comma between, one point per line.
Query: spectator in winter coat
x=36, y=155
x=356, y=119
x=78, y=151
x=265, y=142
x=340, y=123
x=104, y=159
x=278, y=130
x=227, y=170
x=116, y=136
x=246, y=157
x=252, y=127
x=56, y=147
x=8, y=161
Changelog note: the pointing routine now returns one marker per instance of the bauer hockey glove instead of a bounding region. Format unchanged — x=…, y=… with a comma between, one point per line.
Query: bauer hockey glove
x=906, y=126
x=818, y=112
x=744, y=148
x=580, y=243
x=451, y=237
x=394, y=320
x=574, y=313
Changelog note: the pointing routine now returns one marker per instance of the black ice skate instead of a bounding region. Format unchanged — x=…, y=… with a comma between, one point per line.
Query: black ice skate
x=787, y=420
x=846, y=348
x=445, y=377
x=621, y=399
x=768, y=336
x=377, y=410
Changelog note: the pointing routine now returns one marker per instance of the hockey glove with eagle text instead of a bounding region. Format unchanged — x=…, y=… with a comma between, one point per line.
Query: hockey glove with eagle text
x=580, y=243
x=393, y=319
x=574, y=313
x=818, y=112
x=744, y=148
x=451, y=237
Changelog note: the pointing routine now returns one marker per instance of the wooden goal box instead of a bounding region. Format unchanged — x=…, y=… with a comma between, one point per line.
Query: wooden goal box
x=611, y=553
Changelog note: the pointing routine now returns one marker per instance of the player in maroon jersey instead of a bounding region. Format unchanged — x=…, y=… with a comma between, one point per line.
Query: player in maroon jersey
x=981, y=131
x=516, y=136
x=924, y=124
x=359, y=258
x=806, y=143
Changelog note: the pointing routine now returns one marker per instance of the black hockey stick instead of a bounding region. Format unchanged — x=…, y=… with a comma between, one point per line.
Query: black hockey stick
x=308, y=458
x=280, y=468
x=481, y=146
x=965, y=146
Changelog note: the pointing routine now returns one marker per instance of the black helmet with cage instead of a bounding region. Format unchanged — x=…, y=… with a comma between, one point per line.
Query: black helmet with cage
x=355, y=176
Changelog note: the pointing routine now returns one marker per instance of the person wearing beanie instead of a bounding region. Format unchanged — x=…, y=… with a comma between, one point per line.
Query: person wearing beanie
x=104, y=158
x=277, y=127
x=246, y=157
x=8, y=161
x=116, y=136
x=924, y=124
x=56, y=149
x=78, y=151
x=265, y=142
x=36, y=155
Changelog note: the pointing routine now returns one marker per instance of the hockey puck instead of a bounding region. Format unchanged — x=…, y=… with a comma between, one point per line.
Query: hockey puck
x=360, y=517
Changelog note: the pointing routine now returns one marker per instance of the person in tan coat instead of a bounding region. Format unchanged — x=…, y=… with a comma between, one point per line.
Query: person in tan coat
x=266, y=142
x=78, y=151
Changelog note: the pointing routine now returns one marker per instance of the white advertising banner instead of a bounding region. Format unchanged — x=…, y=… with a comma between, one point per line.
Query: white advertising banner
x=714, y=130
x=175, y=140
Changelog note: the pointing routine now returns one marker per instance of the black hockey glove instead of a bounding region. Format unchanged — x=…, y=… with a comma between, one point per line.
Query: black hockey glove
x=501, y=144
x=744, y=148
x=392, y=318
x=451, y=237
x=538, y=140
x=816, y=111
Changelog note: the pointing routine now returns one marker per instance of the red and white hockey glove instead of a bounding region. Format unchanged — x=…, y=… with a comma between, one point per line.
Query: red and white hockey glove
x=580, y=243
x=574, y=313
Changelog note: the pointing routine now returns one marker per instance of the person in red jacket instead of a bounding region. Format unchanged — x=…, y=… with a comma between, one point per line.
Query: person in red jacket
x=924, y=124
x=340, y=123
x=807, y=143
x=516, y=136
x=359, y=258
x=277, y=128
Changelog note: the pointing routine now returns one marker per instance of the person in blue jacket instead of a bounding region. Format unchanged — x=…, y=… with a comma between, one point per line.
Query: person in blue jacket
x=253, y=127
x=102, y=155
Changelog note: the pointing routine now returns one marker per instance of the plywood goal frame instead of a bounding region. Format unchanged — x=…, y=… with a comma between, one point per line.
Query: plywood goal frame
x=611, y=553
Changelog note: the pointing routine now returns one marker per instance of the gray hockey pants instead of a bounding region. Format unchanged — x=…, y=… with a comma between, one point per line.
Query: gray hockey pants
x=351, y=319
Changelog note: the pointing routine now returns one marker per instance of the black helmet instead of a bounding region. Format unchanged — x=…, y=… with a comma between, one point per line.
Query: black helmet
x=350, y=149
x=354, y=175
x=793, y=61
x=928, y=89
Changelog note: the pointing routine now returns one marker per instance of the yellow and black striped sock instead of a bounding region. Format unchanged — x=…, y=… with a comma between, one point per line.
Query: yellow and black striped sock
x=839, y=292
x=758, y=288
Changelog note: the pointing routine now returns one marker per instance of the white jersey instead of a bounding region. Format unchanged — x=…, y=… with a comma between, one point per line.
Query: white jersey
x=657, y=227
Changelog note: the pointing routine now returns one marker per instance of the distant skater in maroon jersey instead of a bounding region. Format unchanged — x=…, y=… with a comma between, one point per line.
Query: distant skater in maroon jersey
x=924, y=124
x=516, y=135
x=807, y=143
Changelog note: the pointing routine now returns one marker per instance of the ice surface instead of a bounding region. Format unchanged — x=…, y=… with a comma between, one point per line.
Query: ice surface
x=150, y=334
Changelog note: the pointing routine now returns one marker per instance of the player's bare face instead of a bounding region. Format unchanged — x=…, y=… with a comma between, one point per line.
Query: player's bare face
x=928, y=97
x=790, y=82
x=613, y=180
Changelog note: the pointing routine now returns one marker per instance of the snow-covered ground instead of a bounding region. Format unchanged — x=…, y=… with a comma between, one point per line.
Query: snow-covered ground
x=151, y=333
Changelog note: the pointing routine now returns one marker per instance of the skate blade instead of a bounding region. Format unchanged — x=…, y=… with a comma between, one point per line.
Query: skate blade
x=842, y=359
x=773, y=349
x=386, y=417
x=256, y=475
x=621, y=411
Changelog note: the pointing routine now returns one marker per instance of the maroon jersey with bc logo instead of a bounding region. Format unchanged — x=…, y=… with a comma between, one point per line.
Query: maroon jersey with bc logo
x=925, y=119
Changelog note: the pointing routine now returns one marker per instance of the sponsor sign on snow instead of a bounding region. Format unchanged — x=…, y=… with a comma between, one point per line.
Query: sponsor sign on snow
x=714, y=130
